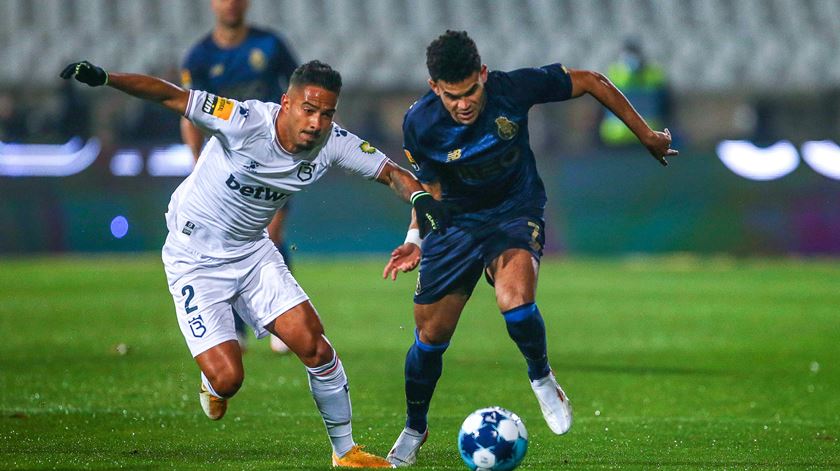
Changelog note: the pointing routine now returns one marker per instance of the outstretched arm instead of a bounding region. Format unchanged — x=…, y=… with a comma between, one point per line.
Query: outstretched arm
x=600, y=87
x=141, y=86
x=432, y=214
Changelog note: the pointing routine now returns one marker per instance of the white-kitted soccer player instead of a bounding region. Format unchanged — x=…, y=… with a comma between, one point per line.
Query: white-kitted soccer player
x=217, y=254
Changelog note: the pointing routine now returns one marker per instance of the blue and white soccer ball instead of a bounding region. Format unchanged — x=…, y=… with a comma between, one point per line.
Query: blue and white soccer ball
x=493, y=439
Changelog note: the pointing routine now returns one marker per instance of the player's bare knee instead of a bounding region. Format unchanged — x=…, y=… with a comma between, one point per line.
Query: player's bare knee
x=435, y=334
x=316, y=353
x=226, y=383
x=513, y=298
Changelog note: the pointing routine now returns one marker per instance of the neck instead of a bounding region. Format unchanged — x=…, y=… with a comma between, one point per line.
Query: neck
x=229, y=36
x=283, y=137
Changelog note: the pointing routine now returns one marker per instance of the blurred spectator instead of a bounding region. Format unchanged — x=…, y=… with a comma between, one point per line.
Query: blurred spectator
x=151, y=122
x=644, y=84
x=12, y=120
x=73, y=117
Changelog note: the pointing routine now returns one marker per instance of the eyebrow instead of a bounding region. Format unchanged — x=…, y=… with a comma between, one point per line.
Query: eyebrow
x=466, y=93
x=328, y=110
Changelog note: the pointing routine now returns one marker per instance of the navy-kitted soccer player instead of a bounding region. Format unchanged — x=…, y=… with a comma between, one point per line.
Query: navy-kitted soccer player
x=239, y=61
x=468, y=142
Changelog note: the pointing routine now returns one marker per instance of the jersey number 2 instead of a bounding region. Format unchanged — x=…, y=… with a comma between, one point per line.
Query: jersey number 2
x=190, y=293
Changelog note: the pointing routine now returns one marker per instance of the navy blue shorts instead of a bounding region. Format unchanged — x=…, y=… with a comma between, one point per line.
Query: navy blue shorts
x=454, y=261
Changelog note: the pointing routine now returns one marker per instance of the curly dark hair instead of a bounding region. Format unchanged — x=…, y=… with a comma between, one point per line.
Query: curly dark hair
x=452, y=57
x=317, y=73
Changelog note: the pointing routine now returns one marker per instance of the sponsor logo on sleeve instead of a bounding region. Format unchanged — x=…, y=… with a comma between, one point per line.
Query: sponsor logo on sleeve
x=217, y=106
x=453, y=155
x=411, y=160
x=367, y=148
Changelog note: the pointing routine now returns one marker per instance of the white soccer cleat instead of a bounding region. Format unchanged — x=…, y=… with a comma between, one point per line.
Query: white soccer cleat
x=554, y=404
x=278, y=346
x=213, y=407
x=404, y=451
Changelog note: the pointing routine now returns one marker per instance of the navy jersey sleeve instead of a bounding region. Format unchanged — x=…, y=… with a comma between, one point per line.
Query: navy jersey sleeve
x=285, y=61
x=423, y=167
x=536, y=85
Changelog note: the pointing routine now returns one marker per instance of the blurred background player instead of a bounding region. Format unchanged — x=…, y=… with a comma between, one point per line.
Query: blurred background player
x=468, y=142
x=237, y=60
x=644, y=84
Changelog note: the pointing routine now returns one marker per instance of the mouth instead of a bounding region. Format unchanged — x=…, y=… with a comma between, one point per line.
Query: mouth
x=465, y=115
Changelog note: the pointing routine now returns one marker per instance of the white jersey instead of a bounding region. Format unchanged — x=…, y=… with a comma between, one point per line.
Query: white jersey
x=243, y=175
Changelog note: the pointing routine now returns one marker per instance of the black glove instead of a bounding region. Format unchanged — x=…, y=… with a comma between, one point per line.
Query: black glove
x=432, y=215
x=85, y=72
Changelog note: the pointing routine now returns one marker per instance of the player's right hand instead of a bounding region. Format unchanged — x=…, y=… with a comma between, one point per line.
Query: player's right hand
x=659, y=146
x=432, y=215
x=403, y=259
x=85, y=72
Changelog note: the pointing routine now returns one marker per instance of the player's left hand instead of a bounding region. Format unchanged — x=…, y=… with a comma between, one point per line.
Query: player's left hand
x=85, y=72
x=432, y=215
x=659, y=146
x=403, y=259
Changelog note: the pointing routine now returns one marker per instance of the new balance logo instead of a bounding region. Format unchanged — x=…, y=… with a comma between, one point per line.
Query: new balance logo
x=256, y=192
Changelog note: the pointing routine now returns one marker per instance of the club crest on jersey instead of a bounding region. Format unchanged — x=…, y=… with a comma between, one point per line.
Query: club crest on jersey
x=217, y=70
x=252, y=166
x=367, y=148
x=453, y=155
x=217, y=106
x=506, y=128
x=305, y=171
x=257, y=59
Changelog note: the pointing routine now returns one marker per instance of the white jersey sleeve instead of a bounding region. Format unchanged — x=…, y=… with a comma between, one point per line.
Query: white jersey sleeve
x=356, y=155
x=222, y=117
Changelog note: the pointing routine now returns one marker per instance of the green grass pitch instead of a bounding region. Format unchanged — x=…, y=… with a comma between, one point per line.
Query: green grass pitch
x=679, y=363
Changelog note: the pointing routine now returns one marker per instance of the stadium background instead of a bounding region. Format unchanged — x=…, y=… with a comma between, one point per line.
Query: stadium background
x=763, y=73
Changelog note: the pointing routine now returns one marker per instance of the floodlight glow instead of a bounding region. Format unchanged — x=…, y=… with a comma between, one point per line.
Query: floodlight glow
x=127, y=163
x=119, y=227
x=42, y=160
x=755, y=163
x=170, y=161
x=823, y=157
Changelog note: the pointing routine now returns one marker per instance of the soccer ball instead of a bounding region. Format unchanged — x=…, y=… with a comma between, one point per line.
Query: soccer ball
x=493, y=439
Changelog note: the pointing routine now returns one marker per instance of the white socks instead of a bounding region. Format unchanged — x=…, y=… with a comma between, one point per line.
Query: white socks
x=328, y=384
x=208, y=386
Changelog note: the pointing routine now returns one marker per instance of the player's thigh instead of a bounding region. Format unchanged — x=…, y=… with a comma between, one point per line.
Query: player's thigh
x=515, y=278
x=202, y=299
x=451, y=264
x=301, y=329
x=512, y=254
x=268, y=290
x=436, y=322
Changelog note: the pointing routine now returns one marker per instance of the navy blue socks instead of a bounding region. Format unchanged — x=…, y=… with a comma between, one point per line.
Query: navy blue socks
x=423, y=367
x=526, y=327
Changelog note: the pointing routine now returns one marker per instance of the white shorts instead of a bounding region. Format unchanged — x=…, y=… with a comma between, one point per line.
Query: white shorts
x=258, y=285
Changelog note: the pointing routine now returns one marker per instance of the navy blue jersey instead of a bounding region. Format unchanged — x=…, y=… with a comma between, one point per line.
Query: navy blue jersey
x=487, y=169
x=258, y=68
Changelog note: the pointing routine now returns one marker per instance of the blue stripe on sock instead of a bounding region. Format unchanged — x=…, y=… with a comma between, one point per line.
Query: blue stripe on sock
x=428, y=347
x=520, y=313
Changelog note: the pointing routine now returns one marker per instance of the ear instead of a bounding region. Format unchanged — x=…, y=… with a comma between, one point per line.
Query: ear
x=482, y=75
x=284, y=102
x=434, y=86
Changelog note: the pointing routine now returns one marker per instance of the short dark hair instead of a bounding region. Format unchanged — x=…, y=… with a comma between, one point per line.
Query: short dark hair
x=452, y=57
x=317, y=73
